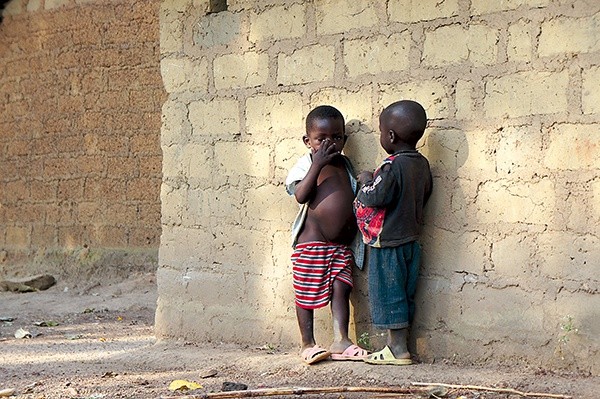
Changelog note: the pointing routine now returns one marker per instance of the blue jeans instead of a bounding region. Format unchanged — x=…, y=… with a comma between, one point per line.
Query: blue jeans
x=393, y=276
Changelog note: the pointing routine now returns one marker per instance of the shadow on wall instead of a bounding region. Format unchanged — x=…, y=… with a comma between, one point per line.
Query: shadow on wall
x=363, y=146
x=445, y=266
x=365, y=152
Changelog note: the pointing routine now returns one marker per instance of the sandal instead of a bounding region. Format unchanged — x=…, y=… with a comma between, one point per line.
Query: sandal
x=385, y=356
x=314, y=354
x=353, y=352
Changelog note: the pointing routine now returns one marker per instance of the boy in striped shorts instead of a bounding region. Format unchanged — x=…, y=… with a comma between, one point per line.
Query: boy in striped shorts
x=323, y=184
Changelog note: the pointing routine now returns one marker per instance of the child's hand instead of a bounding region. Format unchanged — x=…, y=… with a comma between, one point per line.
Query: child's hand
x=326, y=152
x=364, y=177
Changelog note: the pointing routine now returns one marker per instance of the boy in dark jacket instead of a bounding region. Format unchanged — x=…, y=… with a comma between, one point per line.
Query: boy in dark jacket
x=389, y=212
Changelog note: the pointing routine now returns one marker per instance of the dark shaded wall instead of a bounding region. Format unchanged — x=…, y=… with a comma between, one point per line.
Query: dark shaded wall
x=80, y=157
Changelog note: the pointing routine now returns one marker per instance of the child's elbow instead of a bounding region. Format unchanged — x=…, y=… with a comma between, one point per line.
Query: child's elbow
x=301, y=199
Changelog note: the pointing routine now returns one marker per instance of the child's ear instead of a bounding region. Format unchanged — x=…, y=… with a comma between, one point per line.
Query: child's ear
x=345, y=138
x=306, y=141
x=392, y=135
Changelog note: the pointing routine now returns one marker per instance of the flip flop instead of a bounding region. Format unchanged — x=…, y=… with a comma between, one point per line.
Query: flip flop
x=353, y=352
x=314, y=354
x=385, y=356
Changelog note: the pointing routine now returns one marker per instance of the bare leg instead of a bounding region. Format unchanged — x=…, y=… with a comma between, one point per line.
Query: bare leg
x=305, y=322
x=340, y=311
x=398, y=343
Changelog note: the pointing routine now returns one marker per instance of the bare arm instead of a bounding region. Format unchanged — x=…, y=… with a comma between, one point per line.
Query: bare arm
x=306, y=187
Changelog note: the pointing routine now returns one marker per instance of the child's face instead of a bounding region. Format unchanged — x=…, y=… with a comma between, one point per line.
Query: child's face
x=326, y=129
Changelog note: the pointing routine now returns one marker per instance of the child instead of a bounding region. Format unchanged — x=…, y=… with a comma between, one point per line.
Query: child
x=323, y=183
x=389, y=211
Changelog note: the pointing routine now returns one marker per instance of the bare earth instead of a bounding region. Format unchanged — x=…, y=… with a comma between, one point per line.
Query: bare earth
x=103, y=347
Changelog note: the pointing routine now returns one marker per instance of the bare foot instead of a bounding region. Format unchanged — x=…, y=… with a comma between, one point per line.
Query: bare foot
x=340, y=347
x=399, y=353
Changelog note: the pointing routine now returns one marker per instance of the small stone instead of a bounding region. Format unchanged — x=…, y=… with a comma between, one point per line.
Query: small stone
x=208, y=373
x=233, y=386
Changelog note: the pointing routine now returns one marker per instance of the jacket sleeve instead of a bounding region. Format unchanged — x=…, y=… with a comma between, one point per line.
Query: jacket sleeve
x=379, y=192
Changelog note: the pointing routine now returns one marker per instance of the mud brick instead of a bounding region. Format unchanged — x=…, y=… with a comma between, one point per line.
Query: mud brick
x=42, y=190
x=73, y=236
x=44, y=236
x=18, y=148
x=91, y=212
x=123, y=167
x=339, y=16
x=591, y=96
x=148, y=213
x=145, y=144
x=405, y=11
x=538, y=93
x=18, y=237
x=110, y=236
x=143, y=189
x=147, y=100
x=60, y=167
x=144, y=237
x=113, y=144
x=70, y=189
x=246, y=70
x=26, y=213
x=122, y=213
x=455, y=44
x=9, y=170
x=583, y=142
x=381, y=54
x=100, y=189
x=278, y=23
x=15, y=191
x=310, y=64
x=91, y=166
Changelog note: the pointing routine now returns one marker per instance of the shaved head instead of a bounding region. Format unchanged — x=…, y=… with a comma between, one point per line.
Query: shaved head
x=407, y=119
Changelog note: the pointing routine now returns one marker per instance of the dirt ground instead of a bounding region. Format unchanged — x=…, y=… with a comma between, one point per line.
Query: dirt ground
x=103, y=347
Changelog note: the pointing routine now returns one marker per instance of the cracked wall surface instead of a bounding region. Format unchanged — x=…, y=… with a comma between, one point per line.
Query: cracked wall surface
x=511, y=242
x=80, y=158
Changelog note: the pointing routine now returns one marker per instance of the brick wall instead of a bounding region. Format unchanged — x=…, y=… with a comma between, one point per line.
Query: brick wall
x=80, y=158
x=512, y=237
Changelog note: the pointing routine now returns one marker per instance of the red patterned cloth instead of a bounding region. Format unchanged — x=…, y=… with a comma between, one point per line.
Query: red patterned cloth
x=316, y=266
x=370, y=222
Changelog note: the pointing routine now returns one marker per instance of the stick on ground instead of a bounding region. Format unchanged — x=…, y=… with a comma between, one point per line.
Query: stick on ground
x=297, y=391
x=491, y=389
x=425, y=387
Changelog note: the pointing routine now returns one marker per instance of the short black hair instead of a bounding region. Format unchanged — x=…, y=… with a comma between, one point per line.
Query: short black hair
x=323, y=112
x=408, y=119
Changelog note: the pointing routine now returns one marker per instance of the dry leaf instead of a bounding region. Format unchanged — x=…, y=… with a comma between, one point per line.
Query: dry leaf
x=20, y=333
x=183, y=385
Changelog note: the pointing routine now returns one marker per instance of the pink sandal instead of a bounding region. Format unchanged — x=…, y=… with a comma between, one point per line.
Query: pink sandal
x=314, y=354
x=353, y=352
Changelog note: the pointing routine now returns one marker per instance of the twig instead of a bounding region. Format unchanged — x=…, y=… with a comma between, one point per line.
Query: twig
x=296, y=391
x=502, y=390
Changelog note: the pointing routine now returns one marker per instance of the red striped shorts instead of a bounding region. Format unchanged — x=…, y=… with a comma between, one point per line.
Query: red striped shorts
x=316, y=265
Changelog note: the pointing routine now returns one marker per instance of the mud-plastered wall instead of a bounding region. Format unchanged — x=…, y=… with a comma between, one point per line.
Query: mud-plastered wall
x=80, y=157
x=511, y=241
